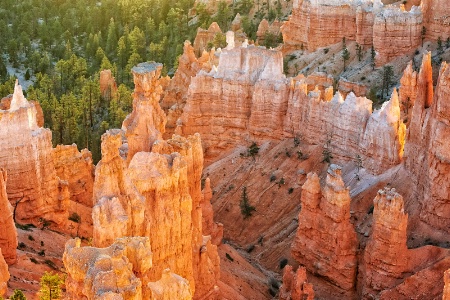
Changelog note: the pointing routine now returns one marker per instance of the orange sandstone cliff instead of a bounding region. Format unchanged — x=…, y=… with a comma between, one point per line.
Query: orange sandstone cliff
x=4, y=275
x=295, y=285
x=8, y=233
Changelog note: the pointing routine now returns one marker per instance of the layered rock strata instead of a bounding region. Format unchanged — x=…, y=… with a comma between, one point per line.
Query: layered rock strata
x=392, y=30
x=249, y=99
x=33, y=186
x=386, y=255
x=436, y=19
x=295, y=285
x=426, y=151
x=4, y=275
x=8, y=233
x=326, y=241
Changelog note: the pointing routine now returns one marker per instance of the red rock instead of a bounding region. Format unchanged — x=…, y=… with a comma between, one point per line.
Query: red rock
x=326, y=242
x=295, y=285
x=204, y=37
x=8, y=233
x=408, y=93
x=108, y=86
x=446, y=293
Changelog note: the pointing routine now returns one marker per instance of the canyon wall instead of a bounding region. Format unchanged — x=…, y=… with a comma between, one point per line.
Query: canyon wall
x=391, y=29
x=326, y=241
x=249, y=99
x=8, y=232
x=4, y=275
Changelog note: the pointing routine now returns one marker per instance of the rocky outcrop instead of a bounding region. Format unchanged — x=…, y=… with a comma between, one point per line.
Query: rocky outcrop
x=436, y=19
x=407, y=93
x=392, y=31
x=147, y=122
x=396, y=32
x=26, y=154
x=295, y=285
x=170, y=286
x=264, y=28
x=174, y=98
x=8, y=233
x=211, y=228
x=383, y=140
x=326, y=242
x=427, y=154
x=386, y=254
x=4, y=275
x=77, y=169
x=204, y=37
x=108, y=86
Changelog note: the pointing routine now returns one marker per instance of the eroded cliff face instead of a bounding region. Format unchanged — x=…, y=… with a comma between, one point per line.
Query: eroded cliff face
x=157, y=194
x=4, y=275
x=295, y=285
x=204, y=37
x=108, y=85
x=326, y=241
x=250, y=99
x=8, y=233
x=392, y=30
x=426, y=151
x=33, y=186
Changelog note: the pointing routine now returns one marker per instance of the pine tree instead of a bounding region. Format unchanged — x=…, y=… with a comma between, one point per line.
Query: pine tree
x=18, y=295
x=50, y=286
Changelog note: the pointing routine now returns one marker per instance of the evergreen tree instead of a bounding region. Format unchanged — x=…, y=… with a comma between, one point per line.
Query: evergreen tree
x=50, y=286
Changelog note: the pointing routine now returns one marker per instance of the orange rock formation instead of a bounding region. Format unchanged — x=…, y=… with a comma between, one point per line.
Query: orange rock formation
x=158, y=193
x=326, y=242
x=33, y=186
x=204, y=37
x=4, y=275
x=386, y=253
x=77, y=169
x=295, y=285
x=8, y=233
x=108, y=86
x=446, y=293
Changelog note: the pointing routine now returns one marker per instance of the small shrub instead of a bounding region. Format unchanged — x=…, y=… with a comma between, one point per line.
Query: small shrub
x=229, y=257
x=296, y=142
x=363, y=78
x=253, y=150
x=41, y=253
x=21, y=245
x=260, y=240
x=273, y=177
x=326, y=50
x=370, y=211
x=42, y=243
x=281, y=182
x=274, y=286
x=283, y=263
x=45, y=223
x=31, y=238
x=74, y=217
x=33, y=260
x=26, y=227
x=251, y=248
x=291, y=190
x=288, y=154
x=246, y=208
x=18, y=295
x=326, y=153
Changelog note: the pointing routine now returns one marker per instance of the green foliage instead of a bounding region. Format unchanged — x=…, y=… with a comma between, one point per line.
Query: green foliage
x=372, y=57
x=423, y=33
x=220, y=40
x=75, y=217
x=440, y=49
x=388, y=73
x=253, y=150
x=359, y=52
x=326, y=152
x=228, y=256
x=18, y=295
x=246, y=208
x=345, y=55
x=50, y=286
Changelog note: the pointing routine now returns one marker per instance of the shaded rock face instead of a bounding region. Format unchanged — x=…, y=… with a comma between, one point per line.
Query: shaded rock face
x=108, y=86
x=155, y=194
x=26, y=154
x=326, y=242
x=250, y=99
x=204, y=37
x=77, y=169
x=295, y=285
x=4, y=275
x=392, y=31
x=386, y=255
x=8, y=233
x=427, y=151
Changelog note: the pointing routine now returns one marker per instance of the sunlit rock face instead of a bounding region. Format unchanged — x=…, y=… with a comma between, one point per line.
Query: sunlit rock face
x=108, y=85
x=407, y=93
x=26, y=154
x=204, y=37
x=326, y=242
x=436, y=18
x=4, y=275
x=8, y=233
x=151, y=187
